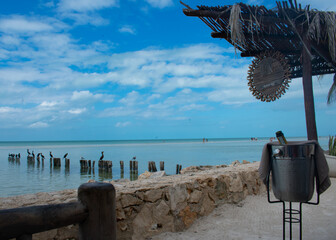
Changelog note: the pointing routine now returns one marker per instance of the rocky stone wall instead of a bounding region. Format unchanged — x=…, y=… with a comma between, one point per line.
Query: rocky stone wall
x=150, y=206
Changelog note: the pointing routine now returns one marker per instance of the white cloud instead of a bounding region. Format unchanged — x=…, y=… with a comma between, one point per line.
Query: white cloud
x=127, y=29
x=39, y=125
x=132, y=98
x=19, y=24
x=193, y=106
x=84, y=96
x=77, y=111
x=6, y=110
x=86, y=5
x=122, y=124
x=119, y=112
x=46, y=104
x=160, y=3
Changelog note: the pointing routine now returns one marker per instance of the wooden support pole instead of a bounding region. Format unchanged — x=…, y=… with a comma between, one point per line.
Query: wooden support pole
x=161, y=165
x=101, y=223
x=308, y=91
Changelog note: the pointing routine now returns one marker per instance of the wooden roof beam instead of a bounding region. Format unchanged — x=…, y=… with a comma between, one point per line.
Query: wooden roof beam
x=256, y=35
x=255, y=53
x=226, y=15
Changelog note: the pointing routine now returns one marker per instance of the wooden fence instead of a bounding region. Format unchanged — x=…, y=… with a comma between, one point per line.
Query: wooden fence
x=95, y=212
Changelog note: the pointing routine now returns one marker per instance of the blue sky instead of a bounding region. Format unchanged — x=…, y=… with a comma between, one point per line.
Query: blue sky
x=134, y=69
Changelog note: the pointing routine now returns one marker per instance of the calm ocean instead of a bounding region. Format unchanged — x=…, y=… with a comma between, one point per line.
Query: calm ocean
x=21, y=178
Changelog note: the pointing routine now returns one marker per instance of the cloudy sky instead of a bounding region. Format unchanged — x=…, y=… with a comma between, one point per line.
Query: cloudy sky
x=134, y=69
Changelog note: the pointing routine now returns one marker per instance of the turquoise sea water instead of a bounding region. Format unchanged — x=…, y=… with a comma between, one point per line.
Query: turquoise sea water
x=19, y=178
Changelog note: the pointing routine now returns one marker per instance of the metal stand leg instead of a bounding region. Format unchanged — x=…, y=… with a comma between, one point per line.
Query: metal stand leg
x=289, y=216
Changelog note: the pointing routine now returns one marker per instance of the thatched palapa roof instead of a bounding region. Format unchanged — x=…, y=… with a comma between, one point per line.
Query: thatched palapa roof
x=286, y=29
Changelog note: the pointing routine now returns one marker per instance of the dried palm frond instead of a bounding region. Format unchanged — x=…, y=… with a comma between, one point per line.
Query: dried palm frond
x=330, y=21
x=314, y=30
x=322, y=28
x=236, y=27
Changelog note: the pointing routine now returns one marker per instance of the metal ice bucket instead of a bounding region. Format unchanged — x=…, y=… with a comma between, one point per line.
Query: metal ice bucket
x=293, y=168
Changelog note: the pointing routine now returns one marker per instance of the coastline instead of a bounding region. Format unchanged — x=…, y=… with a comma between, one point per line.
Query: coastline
x=151, y=206
x=23, y=178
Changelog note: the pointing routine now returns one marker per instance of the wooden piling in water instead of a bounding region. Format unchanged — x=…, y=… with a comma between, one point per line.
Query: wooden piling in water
x=178, y=168
x=136, y=165
x=57, y=162
x=152, y=166
x=83, y=164
x=121, y=166
x=67, y=162
x=105, y=165
x=161, y=165
x=133, y=170
x=30, y=159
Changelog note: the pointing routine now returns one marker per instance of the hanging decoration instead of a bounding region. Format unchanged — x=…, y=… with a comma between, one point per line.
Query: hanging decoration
x=269, y=76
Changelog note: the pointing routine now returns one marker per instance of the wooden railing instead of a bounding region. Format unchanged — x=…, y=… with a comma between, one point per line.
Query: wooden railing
x=95, y=213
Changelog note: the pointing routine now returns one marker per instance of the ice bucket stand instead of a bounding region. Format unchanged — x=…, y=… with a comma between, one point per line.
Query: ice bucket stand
x=291, y=215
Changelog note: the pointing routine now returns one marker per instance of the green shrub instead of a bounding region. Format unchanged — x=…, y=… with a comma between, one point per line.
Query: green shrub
x=332, y=145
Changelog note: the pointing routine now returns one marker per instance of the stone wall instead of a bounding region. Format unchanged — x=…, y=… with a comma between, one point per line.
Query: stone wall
x=151, y=206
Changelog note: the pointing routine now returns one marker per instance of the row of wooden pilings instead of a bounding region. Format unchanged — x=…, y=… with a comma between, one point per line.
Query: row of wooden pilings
x=87, y=165
x=54, y=162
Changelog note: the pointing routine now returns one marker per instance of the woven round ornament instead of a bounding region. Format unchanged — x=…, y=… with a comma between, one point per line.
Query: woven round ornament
x=269, y=76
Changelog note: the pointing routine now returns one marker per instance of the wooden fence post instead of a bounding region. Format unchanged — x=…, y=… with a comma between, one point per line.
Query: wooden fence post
x=101, y=224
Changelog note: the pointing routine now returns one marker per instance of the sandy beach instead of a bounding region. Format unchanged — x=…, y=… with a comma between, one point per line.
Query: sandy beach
x=255, y=218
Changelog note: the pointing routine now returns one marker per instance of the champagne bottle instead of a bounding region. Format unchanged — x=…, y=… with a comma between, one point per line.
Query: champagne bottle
x=281, y=138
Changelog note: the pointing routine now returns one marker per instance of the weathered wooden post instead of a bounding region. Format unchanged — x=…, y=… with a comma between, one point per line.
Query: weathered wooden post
x=161, y=165
x=57, y=162
x=121, y=169
x=149, y=166
x=121, y=165
x=30, y=159
x=153, y=166
x=178, y=168
x=308, y=91
x=136, y=166
x=67, y=162
x=101, y=224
